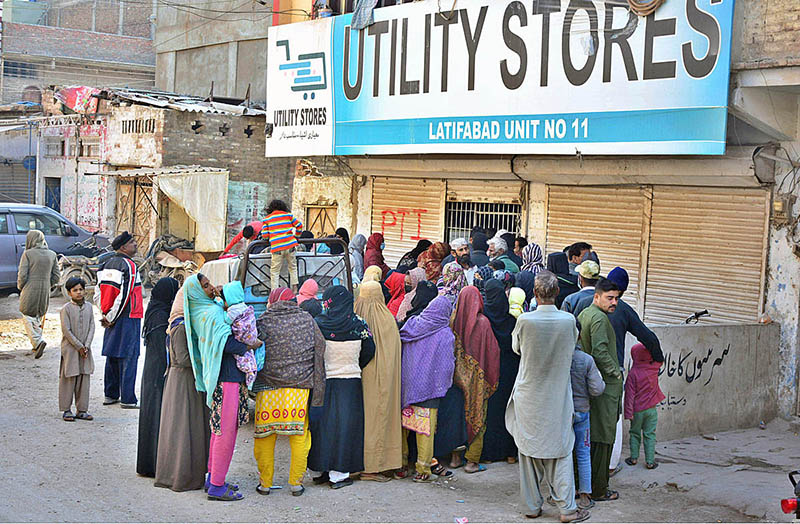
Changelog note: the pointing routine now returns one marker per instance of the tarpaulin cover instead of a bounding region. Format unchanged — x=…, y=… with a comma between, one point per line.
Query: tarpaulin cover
x=79, y=99
x=204, y=197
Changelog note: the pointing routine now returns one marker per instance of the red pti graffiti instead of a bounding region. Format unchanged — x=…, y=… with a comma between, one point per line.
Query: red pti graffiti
x=391, y=214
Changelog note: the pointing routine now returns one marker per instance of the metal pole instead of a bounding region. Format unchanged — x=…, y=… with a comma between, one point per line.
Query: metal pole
x=28, y=168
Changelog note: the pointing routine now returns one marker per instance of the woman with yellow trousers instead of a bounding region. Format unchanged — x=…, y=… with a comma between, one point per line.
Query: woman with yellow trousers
x=293, y=377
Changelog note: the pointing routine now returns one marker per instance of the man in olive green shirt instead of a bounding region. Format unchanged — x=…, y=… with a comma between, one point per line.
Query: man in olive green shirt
x=598, y=339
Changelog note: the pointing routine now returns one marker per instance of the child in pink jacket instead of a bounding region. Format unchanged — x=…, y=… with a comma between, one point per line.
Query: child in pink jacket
x=642, y=396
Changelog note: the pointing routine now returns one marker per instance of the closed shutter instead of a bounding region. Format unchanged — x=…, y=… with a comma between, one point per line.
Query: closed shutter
x=707, y=250
x=17, y=184
x=496, y=192
x=611, y=219
x=406, y=210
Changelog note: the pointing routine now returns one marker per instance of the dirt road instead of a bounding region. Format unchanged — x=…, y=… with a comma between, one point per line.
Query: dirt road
x=85, y=471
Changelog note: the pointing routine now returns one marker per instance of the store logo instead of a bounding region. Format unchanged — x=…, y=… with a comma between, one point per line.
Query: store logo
x=308, y=72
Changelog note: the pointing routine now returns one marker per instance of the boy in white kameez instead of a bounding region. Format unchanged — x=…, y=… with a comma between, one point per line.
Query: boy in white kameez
x=77, y=363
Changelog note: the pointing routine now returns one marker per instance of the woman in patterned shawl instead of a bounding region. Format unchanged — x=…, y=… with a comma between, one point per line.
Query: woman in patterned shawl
x=294, y=370
x=477, y=368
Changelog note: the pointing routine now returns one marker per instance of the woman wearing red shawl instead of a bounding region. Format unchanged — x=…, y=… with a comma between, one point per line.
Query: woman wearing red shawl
x=431, y=260
x=373, y=256
x=307, y=291
x=396, y=284
x=477, y=368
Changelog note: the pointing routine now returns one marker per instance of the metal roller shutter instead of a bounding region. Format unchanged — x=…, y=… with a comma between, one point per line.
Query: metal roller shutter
x=707, y=251
x=613, y=220
x=497, y=192
x=406, y=210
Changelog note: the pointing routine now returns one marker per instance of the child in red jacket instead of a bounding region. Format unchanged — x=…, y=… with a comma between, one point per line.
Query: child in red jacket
x=642, y=396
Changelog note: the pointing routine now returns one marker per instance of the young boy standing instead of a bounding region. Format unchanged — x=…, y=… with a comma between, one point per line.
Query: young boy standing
x=281, y=228
x=77, y=363
x=642, y=396
x=586, y=383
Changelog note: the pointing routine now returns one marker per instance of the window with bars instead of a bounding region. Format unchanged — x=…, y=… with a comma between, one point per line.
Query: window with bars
x=54, y=148
x=461, y=217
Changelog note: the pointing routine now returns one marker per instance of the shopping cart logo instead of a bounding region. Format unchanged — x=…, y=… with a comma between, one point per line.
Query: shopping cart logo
x=308, y=72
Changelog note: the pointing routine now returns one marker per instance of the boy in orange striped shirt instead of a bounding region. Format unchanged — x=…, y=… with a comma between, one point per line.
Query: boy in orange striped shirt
x=281, y=228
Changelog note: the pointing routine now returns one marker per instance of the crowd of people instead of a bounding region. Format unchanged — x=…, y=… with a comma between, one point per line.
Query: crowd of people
x=465, y=353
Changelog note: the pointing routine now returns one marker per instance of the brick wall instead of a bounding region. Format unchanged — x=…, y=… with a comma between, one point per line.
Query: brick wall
x=232, y=149
x=767, y=32
x=78, y=15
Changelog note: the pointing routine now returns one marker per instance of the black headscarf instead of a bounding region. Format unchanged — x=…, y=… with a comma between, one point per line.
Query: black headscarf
x=420, y=248
x=426, y=292
x=312, y=306
x=525, y=281
x=344, y=235
x=558, y=263
x=495, y=307
x=337, y=320
x=336, y=247
x=161, y=298
x=480, y=242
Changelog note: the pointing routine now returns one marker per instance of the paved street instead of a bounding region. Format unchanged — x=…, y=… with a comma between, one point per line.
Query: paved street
x=85, y=471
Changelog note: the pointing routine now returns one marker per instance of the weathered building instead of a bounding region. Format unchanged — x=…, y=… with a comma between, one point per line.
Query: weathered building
x=37, y=56
x=142, y=136
x=699, y=222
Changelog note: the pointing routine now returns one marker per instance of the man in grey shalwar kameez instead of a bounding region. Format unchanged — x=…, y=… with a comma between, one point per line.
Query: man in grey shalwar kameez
x=539, y=413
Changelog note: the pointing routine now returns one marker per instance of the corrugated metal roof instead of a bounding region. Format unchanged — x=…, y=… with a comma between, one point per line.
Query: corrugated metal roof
x=178, y=102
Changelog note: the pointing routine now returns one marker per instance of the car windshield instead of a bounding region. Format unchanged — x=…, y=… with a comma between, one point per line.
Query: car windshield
x=47, y=224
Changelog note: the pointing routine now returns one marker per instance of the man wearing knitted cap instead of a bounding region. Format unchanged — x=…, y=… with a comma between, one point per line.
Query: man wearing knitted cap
x=120, y=302
x=625, y=320
x=588, y=274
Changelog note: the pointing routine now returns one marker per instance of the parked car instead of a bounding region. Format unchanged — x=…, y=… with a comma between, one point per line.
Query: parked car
x=15, y=222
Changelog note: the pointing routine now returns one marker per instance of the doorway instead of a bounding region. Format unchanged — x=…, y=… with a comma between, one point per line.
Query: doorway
x=52, y=193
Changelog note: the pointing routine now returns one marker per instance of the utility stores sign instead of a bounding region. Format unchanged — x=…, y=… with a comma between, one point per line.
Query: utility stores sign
x=533, y=76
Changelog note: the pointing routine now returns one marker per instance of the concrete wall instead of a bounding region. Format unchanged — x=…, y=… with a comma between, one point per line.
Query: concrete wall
x=717, y=378
x=135, y=149
x=88, y=200
x=231, y=51
x=326, y=191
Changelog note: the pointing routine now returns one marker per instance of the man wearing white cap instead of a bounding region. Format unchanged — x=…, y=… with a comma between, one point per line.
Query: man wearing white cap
x=588, y=273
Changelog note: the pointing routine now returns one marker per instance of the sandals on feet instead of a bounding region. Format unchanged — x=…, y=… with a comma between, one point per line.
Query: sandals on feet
x=631, y=462
x=68, y=416
x=422, y=478
x=441, y=471
x=82, y=415
x=228, y=495
x=261, y=490
x=651, y=465
x=481, y=467
x=610, y=495
x=578, y=516
x=533, y=515
x=402, y=473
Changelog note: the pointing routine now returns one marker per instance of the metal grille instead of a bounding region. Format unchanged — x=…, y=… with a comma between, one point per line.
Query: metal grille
x=461, y=217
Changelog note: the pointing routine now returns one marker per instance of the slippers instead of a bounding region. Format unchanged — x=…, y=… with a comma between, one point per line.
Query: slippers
x=533, y=515
x=459, y=465
x=68, y=416
x=652, y=465
x=615, y=471
x=578, y=516
x=590, y=505
x=481, y=467
x=610, y=495
x=631, y=462
x=82, y=415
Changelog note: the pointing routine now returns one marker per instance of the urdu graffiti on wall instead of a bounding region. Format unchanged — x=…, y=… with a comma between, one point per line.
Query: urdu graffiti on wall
x=692, y=371
x=395, y=218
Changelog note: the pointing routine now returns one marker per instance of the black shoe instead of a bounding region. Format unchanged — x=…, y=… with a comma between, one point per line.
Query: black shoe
x=342, y=483
x=322, y=479
x=40, y=349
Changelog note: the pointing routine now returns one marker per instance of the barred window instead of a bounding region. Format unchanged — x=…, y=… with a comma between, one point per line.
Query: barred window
x=461, y=217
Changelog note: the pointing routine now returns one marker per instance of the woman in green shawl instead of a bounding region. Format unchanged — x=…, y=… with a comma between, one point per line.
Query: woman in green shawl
x=211, y=349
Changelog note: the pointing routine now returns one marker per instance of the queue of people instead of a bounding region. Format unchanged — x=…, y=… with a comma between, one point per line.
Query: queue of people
x=464, y=354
